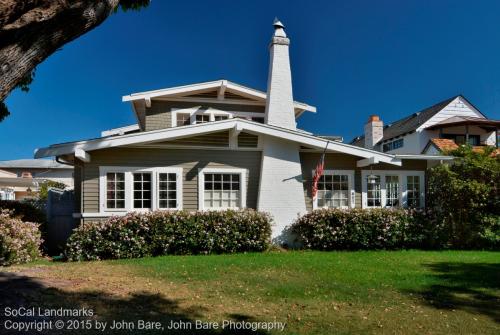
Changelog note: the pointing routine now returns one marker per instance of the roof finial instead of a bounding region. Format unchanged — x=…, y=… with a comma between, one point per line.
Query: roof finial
x=278, y=28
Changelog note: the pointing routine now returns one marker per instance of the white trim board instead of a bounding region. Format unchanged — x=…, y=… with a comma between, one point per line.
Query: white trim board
x=129, y=170
x=198, y=129
x=201, y=87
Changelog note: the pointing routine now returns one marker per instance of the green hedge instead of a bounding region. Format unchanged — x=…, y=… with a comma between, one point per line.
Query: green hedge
x=163, y=232
x=358, y=229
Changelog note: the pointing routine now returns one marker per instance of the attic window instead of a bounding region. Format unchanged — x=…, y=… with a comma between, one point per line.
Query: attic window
x=202, y=118
x=220, y=117
x=183, y=119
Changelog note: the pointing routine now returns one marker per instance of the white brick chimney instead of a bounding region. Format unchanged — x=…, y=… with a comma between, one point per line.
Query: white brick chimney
x=279, y=104
x=374, y=131
x=281, y=191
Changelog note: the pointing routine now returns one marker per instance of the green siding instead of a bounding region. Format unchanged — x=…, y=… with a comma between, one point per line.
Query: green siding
x=189, y=159
x=159, y=115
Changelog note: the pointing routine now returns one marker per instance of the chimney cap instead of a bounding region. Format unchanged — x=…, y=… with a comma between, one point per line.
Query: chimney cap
x=373, y=118
x=279, y=30
x=277, y=23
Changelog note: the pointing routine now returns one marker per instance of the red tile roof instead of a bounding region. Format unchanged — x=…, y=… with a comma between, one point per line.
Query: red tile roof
x=445, y=145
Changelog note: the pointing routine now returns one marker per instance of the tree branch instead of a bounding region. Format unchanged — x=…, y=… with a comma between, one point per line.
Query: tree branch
x=32, y=30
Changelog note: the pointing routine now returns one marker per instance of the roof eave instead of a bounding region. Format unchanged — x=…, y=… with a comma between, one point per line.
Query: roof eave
x=186, y=131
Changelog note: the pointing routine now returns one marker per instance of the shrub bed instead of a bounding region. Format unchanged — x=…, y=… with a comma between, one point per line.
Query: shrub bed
x=357, y=229
x=162, y=232
x=19, y=241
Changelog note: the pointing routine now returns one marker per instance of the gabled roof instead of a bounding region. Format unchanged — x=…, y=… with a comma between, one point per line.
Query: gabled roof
x=410, y=123
x=33, y=164
x=237, y=125
x=222, y=87
x=442, y=144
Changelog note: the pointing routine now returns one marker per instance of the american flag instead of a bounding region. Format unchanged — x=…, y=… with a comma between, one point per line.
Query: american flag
x=318, y=172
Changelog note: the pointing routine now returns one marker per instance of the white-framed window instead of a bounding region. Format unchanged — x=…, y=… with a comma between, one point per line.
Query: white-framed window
x=220, y=117
x=123, y=189
x=413, y=191
x=7, y=194
x=393, y=194
x=196, y=115
x=381, y=188
x=183, y=119
x=115, y=190
x=202, y=118
x=142, y=190
x=373, y=191
x=221, y=188
x=335, y=189
x=167, y=190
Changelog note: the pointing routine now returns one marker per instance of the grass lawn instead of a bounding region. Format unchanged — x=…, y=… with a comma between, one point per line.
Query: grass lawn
x=406, y=292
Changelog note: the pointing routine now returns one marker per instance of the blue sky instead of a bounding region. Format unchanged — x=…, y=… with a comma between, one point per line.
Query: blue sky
x=349, y=59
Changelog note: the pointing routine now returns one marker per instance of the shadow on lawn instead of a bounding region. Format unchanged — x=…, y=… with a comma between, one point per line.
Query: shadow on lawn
x=465, y=286
x=17, y=290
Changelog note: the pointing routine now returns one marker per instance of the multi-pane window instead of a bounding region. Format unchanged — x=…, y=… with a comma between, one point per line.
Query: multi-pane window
x=115, y=190
x=396, y=144
x=167, y=188
x=373, y=194
x=392, y=189
x=222, y=190
x=183, y=119
x=220, y=117
x=413, y=191
x=333, y=191
x=202, y=118
x=142, y=190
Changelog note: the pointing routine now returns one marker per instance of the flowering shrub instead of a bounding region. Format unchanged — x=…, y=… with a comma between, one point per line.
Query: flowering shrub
x=19, y=241
x=164, y=232
x=354, y=229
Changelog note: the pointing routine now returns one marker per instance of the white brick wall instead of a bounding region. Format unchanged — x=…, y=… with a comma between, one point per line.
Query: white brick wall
x=279, y=104
x=281, y=192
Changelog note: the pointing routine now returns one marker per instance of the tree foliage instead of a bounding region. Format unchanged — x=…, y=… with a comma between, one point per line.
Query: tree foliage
x=465, y=197
x=43, y=191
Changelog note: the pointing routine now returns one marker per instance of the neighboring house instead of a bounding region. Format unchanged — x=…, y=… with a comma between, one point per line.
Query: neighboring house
x=19, y=179
x=218, y=145
x=434, y=130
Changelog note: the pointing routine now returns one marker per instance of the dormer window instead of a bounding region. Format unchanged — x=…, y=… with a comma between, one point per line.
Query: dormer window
x=183, y=119
x=220, y=117
x=202, y=118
